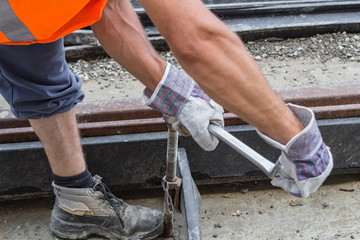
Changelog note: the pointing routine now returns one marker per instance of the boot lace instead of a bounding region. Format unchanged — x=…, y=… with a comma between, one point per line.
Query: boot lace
x=117, y=204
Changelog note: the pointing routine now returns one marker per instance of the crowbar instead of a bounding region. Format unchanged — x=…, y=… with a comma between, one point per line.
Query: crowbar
x=268, y=167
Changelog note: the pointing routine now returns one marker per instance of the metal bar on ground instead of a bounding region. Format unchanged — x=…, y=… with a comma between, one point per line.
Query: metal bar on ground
x=132, y=116
x=170, y=184
x=190, y=202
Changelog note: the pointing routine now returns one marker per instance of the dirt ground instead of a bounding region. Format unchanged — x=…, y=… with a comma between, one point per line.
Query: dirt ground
x=248, y=210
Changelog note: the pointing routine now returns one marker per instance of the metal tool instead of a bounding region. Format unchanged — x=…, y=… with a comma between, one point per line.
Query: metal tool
x=189, y=200
x=171, y=184
x=181, y=193
x=269, y=168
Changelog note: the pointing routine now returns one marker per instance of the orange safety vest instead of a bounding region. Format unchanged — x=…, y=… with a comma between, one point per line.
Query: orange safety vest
x=42, y=21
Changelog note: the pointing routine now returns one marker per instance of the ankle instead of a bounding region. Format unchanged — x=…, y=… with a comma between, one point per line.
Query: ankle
x=81, y=180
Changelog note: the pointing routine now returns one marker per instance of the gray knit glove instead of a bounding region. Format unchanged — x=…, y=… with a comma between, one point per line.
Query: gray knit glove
x=186, y=107
x=305, y=161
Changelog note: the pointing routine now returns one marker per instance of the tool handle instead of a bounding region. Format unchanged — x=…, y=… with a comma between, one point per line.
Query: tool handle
x=264, y=164
x=171, y=155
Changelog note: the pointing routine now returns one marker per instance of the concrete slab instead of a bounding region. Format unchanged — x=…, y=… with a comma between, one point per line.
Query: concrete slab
x=247, y=210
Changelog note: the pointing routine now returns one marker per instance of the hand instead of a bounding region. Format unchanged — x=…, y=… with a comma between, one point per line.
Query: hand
x=301, y=178
x=305, y=161
x=186, y=107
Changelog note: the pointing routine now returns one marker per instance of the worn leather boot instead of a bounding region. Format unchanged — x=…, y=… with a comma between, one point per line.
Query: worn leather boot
x=81, y=212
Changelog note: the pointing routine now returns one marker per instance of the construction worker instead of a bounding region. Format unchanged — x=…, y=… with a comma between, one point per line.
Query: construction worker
x=36, y=82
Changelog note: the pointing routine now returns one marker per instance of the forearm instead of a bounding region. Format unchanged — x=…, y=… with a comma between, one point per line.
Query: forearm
x=230, y=76
x=121, y=35
x=245, y=91
x=215, y=57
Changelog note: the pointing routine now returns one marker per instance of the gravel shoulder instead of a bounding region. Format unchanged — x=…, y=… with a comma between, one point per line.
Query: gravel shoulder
x=328, y=59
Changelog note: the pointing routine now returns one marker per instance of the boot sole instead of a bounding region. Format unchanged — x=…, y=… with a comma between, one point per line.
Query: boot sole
x=68, y=230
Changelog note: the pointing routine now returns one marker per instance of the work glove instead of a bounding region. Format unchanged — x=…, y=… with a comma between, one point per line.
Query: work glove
x=305, y=161
x=185, y=107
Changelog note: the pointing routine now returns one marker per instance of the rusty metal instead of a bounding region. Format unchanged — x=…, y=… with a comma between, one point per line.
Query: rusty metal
x=322, y=96
x=23, y=134
x=171, y=156
x=171, y=204
x=170, y=182
x=93, y=129
x=101, y=111
x=131, y=116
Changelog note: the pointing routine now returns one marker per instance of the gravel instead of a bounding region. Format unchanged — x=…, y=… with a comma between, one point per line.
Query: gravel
x=324, y=47
x=325, y=59
x=344, y=46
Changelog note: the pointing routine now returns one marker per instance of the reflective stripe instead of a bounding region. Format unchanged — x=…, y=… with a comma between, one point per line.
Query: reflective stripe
x=11, y=25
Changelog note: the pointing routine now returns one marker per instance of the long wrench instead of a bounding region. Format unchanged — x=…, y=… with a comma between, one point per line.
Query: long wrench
x=269, y=168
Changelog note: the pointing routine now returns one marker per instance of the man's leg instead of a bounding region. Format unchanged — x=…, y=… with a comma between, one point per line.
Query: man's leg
x=60, y=138
x=45, y=91
x=37, y=83
x=84, y=206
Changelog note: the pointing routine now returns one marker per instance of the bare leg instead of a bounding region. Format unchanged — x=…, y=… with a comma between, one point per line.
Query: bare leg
x=216, y=58
x=60, y=138
x=122, y=36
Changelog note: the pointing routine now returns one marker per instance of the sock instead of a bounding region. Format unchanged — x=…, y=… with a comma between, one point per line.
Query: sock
x=81, y=180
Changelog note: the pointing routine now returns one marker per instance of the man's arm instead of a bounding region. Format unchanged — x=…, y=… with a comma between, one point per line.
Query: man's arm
x=121, y=35
x=216, y=58
x=218, y=61
x=171, y=91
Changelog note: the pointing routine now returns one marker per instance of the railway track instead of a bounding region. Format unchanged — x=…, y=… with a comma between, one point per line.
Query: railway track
x=125, y=142
x=107, y=118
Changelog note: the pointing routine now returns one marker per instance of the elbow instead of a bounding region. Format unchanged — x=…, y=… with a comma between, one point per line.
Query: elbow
x=191, y=46
x=189, y=52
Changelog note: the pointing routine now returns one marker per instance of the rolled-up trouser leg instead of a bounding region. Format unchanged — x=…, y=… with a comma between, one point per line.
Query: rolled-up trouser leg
x=36, y=81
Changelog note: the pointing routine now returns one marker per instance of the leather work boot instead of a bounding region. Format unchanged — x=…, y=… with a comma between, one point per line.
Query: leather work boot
x=81, y=212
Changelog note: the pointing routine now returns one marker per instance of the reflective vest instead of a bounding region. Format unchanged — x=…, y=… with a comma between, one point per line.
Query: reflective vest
x=42, y=21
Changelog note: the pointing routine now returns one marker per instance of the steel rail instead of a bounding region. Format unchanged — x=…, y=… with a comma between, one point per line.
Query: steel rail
x=131, y=116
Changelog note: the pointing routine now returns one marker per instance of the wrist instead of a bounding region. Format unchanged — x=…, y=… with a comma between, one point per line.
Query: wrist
x=172, y=93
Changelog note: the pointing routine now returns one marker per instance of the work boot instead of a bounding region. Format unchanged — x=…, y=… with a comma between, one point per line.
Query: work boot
x=81, y=212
